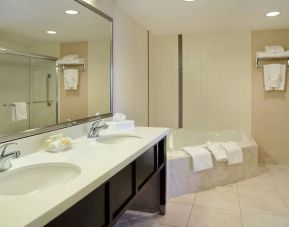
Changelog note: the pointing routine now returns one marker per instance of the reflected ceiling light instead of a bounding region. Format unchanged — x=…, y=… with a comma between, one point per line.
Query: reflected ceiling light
x=71, y=12
x=272, y=14
x=51, y=32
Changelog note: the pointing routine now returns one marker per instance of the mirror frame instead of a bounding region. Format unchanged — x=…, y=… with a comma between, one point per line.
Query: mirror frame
x=37, y=131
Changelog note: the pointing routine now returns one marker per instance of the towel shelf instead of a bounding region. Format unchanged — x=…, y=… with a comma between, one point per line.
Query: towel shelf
x=79, y=66
x=258, y=59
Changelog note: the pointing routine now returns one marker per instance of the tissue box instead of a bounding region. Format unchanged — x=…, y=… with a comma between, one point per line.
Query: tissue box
x=124, y=125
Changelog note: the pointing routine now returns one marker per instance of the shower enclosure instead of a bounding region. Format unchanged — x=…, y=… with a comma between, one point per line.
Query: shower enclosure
x=31, y=79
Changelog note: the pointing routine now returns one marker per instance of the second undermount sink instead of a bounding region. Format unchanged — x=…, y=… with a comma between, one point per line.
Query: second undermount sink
x=34, y=178
x=117, y=139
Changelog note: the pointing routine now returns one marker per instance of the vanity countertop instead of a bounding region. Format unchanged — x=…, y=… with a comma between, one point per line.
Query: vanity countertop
x=98, y=163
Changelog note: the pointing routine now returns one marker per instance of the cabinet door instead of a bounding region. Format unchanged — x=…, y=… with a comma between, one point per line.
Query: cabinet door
x=121, y=189
x=145, y=166
x=88, y=212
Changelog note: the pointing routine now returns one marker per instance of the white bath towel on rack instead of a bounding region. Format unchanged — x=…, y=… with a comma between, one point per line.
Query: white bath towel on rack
x=274, y=77
x=234, y=152
x=218, y=151
x=202, y=159
x=19, y=111
x=71, y=79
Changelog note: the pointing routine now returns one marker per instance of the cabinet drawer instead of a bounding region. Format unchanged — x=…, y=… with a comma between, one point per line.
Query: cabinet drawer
x=145, y=166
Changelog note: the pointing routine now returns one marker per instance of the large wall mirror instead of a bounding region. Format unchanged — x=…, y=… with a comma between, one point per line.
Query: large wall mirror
x=55, y=65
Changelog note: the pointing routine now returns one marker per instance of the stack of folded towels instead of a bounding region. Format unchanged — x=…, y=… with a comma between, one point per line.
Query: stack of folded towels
x=230, y=152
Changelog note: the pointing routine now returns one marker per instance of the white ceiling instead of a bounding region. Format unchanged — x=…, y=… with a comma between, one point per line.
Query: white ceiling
x=165, y=17
x=30, y=19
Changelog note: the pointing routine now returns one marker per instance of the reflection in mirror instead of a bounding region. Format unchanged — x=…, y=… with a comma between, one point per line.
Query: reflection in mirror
x=47, y=79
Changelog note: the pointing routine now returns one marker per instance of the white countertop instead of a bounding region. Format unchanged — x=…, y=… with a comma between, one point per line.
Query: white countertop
x=98, y=163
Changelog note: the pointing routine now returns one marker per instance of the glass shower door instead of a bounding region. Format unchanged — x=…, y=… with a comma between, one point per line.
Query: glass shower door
x=14, y=87
x=43, y=93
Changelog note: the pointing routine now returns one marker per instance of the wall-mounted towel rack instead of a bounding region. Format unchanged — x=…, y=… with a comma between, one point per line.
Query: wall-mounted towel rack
x=79, y=66
x=258, y=59
x=34, y=102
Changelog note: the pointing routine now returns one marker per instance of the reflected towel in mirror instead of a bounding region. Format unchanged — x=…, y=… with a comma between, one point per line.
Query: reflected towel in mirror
x=19, y=111
x=71, y=79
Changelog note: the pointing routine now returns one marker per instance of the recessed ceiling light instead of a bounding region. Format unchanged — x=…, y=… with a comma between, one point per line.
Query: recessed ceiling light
x=272, y=14
x=189, y=0
x=71, y=12
x=51, y=32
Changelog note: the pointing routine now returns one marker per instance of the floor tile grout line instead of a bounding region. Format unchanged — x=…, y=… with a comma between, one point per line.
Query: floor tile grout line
x=193, y=205
x=241, y=215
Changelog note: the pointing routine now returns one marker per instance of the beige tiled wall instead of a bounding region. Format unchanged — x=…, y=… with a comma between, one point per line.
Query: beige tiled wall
x=217, y=81
x=163, y=81
x=270, y=110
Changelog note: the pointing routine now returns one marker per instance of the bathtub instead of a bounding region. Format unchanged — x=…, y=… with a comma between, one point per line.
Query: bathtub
x=182, y=179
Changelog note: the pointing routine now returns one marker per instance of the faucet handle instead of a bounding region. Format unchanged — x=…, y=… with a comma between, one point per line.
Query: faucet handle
x=4, y=147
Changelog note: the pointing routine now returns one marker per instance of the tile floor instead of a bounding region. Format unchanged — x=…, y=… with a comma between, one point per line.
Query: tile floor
x=262, y=201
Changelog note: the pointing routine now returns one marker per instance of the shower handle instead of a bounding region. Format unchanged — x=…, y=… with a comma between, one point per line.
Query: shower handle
x=48, y=90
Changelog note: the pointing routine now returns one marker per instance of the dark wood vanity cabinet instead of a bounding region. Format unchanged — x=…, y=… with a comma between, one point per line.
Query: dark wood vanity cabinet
x=105, y=205
x=88, y=212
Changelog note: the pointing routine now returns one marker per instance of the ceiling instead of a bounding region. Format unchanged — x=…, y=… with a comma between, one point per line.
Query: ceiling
x=164, y=17
x=30, y=19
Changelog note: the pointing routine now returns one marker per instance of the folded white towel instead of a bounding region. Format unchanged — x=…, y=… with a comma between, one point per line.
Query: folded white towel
x=274, y=49
x=202, y=159
x=234, y=152
x=282, y=54
x=71, y=57
x=265, y=55
x=71, y=79
x=119, y=117
x=272, y=55
x=19, y=111
x=218, y=151
x=274, y=77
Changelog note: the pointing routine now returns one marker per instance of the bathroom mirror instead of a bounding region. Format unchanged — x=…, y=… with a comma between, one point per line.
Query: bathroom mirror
x=55, y=65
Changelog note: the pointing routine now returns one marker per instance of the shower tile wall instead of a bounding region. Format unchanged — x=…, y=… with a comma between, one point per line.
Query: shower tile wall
x=163, y=93
x=216, y=81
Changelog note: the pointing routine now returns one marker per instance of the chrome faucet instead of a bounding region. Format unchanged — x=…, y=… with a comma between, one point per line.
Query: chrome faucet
x=5, y=158
x=96, y=127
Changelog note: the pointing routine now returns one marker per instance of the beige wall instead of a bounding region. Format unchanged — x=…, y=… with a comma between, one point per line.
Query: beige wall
x=217, y=79
x=98, y=76
x=163, y=81
x=74, y=104
x=130, y=68
x=270, y=110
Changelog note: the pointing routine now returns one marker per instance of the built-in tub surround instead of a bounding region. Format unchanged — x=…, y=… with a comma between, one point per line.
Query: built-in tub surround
x=97, y=162
x=182, y=179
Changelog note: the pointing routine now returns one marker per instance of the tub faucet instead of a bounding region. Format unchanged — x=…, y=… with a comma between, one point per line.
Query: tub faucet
x=5, y=158
x=96, y=127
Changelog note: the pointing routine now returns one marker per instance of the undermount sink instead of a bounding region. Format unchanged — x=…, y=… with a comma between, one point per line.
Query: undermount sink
x=117, y=139
x=34, y=178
